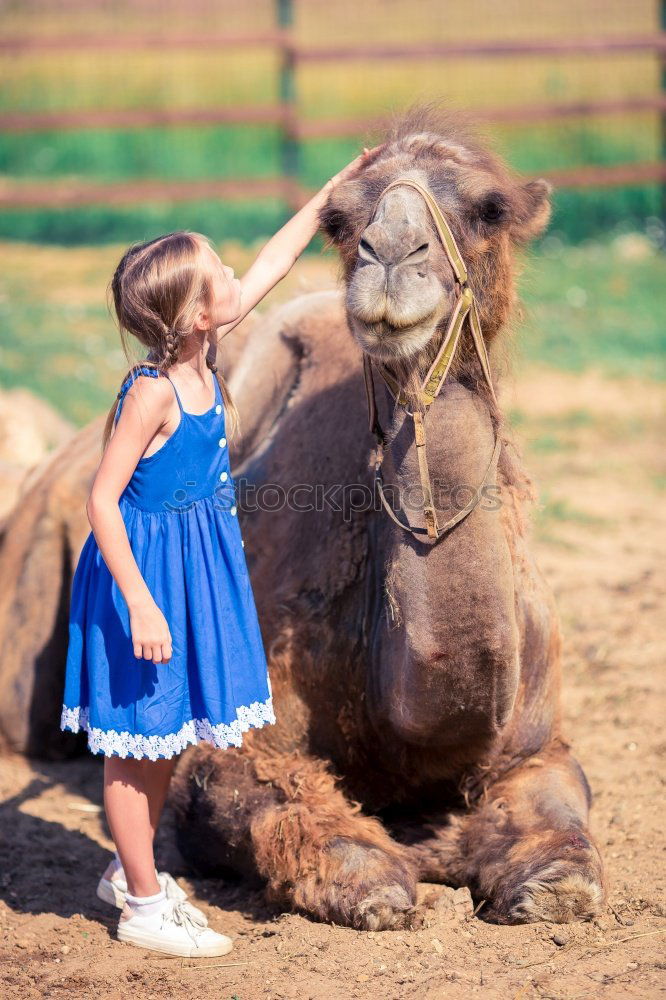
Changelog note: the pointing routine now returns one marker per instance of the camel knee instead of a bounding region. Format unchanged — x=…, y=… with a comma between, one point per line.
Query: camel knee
x=297, y=838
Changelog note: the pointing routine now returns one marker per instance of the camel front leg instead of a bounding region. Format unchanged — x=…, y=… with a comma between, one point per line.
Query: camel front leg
x=313, y=848
x=319, y=853
x=527, y=850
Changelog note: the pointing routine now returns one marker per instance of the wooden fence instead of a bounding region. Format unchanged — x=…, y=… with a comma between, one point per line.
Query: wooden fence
x=285, y=112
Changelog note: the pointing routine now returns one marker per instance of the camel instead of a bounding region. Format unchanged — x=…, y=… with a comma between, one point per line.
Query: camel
x=416, y=681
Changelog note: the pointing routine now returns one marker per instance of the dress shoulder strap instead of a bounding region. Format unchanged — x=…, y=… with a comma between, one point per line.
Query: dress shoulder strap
x=175, y=391
x=216, y=389
x=141, y=369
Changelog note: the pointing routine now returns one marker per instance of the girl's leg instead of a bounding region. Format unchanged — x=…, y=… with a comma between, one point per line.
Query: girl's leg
x=156, y=778
x=128, y=814
x=134, y=793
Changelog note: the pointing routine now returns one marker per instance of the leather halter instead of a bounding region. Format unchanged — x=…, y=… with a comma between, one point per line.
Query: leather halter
x=464, y=309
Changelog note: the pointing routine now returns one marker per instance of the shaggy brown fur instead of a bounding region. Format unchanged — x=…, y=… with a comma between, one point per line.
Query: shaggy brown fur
x=416, y=688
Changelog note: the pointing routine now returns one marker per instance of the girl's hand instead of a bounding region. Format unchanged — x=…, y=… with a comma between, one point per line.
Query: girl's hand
x=356, y=165
x=150, y=633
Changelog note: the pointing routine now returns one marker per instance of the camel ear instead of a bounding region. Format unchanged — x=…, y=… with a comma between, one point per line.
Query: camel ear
x=533, y=210
x=337, y=217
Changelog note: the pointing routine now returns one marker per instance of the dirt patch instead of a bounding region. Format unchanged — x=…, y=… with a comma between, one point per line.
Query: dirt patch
x=594, y=446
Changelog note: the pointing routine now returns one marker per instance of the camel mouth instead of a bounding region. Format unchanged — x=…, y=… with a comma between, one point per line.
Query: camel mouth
x=386, y=339
x=385, y=330
x=394, y=313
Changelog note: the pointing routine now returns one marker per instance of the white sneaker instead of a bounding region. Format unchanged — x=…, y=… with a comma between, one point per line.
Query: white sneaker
x=114, y=891
x=174, y=930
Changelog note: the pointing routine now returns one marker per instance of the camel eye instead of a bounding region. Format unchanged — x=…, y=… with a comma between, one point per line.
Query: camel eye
x=491, y=210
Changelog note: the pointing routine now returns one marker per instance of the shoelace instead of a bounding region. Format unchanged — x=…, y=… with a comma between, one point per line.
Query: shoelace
x=169, y=882
x=181, y=913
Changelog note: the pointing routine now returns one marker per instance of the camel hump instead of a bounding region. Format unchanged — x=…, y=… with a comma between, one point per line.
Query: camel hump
x=310, y=314
x=310, y=308
x=294, y=349
x=313, y=319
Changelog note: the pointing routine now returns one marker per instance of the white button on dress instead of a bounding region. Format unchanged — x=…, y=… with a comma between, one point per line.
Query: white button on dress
x=242, y=543
x=218, y=408
x=222, y=442
x=223, y=477
x=233, y=510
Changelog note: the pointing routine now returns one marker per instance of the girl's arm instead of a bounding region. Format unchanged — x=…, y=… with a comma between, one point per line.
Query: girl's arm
x=278, y=256
x=145, y=410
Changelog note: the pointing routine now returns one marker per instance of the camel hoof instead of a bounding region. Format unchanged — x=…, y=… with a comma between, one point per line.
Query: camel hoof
x=367, y=888
x=385, y=908
x=559, y=900
x=565, y=887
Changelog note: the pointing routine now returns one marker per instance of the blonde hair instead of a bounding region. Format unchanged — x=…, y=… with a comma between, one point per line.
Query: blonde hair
x=157, y=289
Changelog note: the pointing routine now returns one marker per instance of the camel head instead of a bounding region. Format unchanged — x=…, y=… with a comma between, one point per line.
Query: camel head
x=400, y=287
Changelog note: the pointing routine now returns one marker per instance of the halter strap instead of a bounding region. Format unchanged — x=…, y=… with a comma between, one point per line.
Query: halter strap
x=464, y=309
x=465, y=306
x=442, y=226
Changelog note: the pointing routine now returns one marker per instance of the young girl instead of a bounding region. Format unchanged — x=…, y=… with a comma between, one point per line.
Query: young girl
x=164, y=643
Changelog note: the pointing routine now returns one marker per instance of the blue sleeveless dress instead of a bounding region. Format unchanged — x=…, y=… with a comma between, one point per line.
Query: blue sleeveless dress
x=181, y=519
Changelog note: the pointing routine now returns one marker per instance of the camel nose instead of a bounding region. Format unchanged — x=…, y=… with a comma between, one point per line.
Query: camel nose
x=393, y=245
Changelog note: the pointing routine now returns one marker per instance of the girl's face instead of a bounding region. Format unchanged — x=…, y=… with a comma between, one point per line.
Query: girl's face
x=225, y=289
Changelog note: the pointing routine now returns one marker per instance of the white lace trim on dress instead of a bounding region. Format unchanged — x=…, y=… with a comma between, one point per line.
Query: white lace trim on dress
x=124, y=744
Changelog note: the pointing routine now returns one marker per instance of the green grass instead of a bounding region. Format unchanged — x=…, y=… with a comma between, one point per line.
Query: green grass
x=549, y=444
x=196, y=77
x=58, y=339
x=591, y=306
x=126, y=154
x=563, y=511
x=551, y=514
x=551, y=434
x=573, y=420
x=207, y=152
x=223, y=220
x=110, y=156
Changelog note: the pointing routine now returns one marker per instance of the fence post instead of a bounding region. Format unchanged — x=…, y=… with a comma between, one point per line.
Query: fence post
x=288, y=101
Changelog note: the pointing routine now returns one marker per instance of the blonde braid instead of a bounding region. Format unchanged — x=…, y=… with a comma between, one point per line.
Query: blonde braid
x=171, y=347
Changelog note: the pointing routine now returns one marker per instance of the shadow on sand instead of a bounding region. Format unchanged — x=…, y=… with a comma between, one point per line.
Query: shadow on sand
x=47, y=868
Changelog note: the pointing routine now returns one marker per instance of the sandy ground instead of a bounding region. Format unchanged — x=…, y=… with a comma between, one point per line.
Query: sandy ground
x=595, y=450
